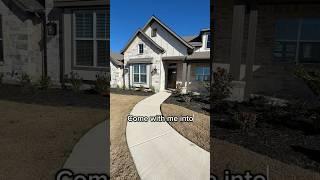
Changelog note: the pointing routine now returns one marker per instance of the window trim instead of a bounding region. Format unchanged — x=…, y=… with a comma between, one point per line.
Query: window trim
x=94, y=38
x=139, y=74
x=208, y=41
x=203, y=74
x=154, y=32
x=298, y=42
x=140, y=49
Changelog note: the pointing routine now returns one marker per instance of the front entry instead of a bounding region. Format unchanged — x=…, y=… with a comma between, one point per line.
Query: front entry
x=172, y=76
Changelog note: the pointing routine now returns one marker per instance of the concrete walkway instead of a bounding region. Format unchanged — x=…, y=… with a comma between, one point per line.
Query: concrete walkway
x=159, y=152
x=91, y=153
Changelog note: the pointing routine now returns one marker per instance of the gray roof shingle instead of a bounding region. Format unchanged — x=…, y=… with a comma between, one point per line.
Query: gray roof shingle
x=29, y=5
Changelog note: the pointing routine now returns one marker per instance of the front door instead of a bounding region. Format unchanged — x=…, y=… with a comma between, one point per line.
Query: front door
x=172, y=76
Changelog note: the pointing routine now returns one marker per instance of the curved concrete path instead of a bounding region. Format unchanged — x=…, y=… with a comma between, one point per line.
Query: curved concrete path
x=159, y=152
x=91, y=153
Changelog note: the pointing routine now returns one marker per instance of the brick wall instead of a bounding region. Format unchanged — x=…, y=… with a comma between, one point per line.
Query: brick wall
x=272, y=78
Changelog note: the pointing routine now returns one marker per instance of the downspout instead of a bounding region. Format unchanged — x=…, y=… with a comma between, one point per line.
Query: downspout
x=42, y=16
x=44, y=36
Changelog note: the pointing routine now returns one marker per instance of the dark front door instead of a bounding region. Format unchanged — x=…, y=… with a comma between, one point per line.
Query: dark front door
x=172, y=77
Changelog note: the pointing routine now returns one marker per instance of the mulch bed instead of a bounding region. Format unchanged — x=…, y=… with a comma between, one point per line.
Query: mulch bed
x=198, y=103
x=287, y=136
x=53, y=97
x=130, y=92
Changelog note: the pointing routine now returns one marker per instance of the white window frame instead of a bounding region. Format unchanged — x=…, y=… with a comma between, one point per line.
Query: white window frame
x=202, y=74
x=139, y=48
x=139, y=74
x=154, y=32
x=95, y=39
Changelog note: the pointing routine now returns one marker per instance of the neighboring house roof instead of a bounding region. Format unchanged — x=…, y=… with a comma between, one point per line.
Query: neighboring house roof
x=29, y=5
x=145, y=36
x=189, y=38
x=153, y=18
x=74, y=3
x=116, y=58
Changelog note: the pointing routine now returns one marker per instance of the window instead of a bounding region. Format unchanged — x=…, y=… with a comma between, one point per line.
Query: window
x=202, y=73
x=154, y=32
x=90, y=40
x=140, y=48
x=140, y=73
x=297, y=40
x=209, y=41
x=1, y=41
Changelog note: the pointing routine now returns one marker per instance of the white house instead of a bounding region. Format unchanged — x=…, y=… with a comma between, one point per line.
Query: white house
x=157, y=58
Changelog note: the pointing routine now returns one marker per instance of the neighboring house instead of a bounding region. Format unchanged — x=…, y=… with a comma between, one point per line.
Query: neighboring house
x=116, y=70
x=54, y=38
x=157, y=58
x=270, y=37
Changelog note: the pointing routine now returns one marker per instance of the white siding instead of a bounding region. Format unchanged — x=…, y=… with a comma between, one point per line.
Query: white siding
x=171, y=45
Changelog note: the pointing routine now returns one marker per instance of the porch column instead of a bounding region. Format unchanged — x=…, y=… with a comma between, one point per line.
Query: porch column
x=253, y=22
x=237, y=40
x=188, y=75
x=184, y=77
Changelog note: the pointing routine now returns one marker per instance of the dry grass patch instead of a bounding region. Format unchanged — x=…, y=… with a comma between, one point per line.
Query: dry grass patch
x=237, y=159
x=35, y=140
x=197, y=131
x=122, y=165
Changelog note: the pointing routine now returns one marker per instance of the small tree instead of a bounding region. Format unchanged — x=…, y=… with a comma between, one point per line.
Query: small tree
x=221, y=87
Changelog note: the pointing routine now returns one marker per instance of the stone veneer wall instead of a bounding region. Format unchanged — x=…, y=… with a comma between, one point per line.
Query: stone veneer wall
x=21, y=43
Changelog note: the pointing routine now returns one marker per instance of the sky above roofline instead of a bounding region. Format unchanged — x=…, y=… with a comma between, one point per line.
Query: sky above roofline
x=185, y=17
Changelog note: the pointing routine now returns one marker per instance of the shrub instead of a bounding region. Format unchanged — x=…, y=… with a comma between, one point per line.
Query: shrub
x=102, y=83
x=44, y=82
x=24, y=80
x=187, y=98
x=221, y=88
x=246, y=120
x=1, y=78
x=310, y=77
x=76, y=81
x=153, y=89
x=141, y=88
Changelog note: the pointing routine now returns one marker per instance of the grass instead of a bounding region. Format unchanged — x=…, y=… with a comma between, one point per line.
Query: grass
x=122, y=165
x=197, y=131
x=35, y=140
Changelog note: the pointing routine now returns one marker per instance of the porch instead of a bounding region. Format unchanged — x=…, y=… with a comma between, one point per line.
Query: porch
x=187, y=73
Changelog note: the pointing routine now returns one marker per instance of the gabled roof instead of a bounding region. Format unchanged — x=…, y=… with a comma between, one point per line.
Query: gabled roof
x=29, y=5
x=145, y=36
x=75, y=3
x=153, y=18
x=116, y=58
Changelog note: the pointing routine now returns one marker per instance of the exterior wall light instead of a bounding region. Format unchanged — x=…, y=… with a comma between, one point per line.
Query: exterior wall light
x=52, y=29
